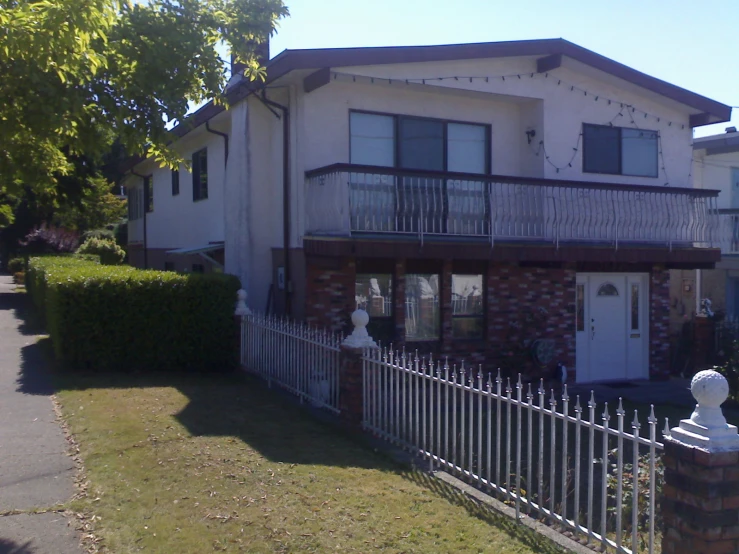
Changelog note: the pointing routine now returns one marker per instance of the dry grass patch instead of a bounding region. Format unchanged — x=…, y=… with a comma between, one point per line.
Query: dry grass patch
x=203, y=463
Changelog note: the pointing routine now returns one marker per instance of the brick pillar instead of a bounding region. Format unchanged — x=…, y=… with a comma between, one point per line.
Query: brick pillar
x=351, y=386
x=700, y=498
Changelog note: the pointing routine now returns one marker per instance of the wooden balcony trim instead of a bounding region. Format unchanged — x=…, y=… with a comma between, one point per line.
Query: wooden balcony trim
x=396, y=172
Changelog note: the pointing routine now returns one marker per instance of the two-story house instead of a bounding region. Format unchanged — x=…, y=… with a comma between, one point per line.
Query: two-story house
x=715, y=166
x=494, y=203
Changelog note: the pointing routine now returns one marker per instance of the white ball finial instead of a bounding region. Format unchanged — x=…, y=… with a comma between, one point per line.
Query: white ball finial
x=707, y=427
x=241, y=308
x=360, y=337
x=709, y=388
x=360, y=318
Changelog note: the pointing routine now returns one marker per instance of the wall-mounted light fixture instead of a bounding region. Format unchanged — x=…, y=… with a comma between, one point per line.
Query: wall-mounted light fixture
x=530, y=134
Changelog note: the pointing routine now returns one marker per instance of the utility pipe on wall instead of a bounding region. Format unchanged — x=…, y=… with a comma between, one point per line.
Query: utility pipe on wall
x=220, y=134
x=698, y=292
x=285, y=192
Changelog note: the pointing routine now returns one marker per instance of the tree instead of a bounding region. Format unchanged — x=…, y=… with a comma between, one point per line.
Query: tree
x=79, y=75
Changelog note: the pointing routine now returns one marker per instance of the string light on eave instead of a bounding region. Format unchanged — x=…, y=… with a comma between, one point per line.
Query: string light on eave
x=515, y=78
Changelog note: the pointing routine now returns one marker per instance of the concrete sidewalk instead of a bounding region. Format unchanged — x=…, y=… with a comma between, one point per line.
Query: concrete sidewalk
x=35, y=469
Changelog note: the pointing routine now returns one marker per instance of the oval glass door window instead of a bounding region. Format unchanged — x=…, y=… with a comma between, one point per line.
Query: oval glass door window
x=607, y=289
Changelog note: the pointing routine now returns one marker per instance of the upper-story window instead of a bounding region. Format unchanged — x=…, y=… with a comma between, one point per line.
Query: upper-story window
x=419, y=143
x=175, y=182
x=148, y=194
x=200, y=175
x=134, y=203
x=619, y=151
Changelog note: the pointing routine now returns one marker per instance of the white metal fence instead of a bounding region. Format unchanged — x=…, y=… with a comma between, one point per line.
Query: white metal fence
x=299, y=358
x=592, y=479
x=345, y=199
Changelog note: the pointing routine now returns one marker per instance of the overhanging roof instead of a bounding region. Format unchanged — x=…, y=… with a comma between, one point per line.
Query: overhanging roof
x=718, y=144
x=710, y=111
x=550, y=50
x=197, y=249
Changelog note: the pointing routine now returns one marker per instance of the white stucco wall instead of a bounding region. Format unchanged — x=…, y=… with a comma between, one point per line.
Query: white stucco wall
x=177, y=221
x=564, y=110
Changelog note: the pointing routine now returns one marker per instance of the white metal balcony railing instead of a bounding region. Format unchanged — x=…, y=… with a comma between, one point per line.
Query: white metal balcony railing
x=729, y=231
x=343, y=199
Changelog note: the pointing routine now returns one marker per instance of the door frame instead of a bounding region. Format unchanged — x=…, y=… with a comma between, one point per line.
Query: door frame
x=638, y=367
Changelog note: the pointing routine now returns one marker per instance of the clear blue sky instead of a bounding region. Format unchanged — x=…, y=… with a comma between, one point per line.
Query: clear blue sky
x=690, y=43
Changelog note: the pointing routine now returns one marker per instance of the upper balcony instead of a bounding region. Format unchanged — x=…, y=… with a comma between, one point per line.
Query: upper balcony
x=729, y=231
x=353, y=200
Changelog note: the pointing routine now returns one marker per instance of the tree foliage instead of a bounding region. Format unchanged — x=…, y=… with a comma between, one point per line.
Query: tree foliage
x=81, y=74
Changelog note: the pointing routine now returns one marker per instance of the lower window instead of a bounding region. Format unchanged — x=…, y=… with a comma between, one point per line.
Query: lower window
x=422, y=321
x=467, y=307
x=373, y=293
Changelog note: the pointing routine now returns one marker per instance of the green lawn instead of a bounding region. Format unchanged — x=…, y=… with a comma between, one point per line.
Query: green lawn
x=200, y=464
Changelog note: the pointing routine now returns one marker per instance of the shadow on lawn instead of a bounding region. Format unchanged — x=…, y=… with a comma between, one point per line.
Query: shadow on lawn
x=8, y=546
x=240, y=406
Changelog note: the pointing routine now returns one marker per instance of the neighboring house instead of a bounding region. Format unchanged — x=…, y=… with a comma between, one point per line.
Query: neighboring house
x=473, y=198
x=715, y=166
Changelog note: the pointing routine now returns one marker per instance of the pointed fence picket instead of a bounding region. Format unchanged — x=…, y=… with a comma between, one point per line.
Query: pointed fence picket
x=592, y=480
x=297, y=357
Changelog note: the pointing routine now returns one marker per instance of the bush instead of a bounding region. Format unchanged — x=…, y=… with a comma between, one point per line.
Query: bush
x=19, y=278
x=98, y=234
x=16, y=264
x=119, y=317
x=50, y=240
x=110, y=253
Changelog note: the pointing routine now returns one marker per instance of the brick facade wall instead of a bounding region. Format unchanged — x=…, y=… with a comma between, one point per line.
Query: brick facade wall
x=330, y=292
x=522, y=303
x=659, y=323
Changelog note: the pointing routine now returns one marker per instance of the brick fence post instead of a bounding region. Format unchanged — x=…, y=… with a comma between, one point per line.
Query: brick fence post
x=700, y=499
x=351, y=378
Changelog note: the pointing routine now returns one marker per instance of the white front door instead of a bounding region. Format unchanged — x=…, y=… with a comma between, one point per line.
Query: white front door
x=611, y=326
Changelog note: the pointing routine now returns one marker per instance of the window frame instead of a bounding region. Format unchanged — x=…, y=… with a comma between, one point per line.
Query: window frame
x=481, y=316
x=620, y=152
x=132, y=197
x=176, y=182
x=148, y=194
x=440, y=295
x=445, y=122
x=197, y=183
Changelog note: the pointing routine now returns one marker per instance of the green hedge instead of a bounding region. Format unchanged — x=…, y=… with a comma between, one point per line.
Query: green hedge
x=119, y=317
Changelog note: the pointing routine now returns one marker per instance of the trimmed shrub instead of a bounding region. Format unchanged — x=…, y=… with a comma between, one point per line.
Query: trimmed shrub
x=19, y=278
x=110, y=253
x=97, y=234
x=16, y=264
x=118, y=317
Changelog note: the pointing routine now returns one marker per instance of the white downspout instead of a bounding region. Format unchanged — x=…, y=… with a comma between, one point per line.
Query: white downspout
x=698, y=294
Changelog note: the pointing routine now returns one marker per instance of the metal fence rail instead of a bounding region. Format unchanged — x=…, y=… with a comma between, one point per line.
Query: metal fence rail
x=345, y=199
x=592, y=479
x=299, y=358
